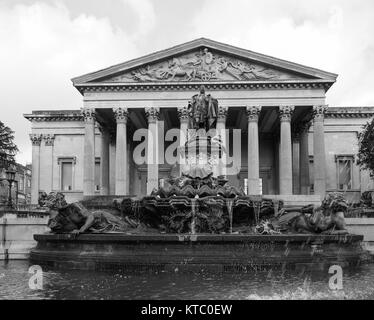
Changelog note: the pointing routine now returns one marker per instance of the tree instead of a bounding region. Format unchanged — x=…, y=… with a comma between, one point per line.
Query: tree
x=366, y=147
x=8, y=149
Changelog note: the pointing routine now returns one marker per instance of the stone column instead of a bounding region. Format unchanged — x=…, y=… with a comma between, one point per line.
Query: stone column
x=153, y=115
x=129, y=170
x=104, y=161
x=221, y=131
x=296, y=161
x=112, y=163
x=89, y=151
x=253, y=113
x=304, y=159
x=319, y=151
x=285, y=150
x=184, y=118
x=48, y=155
x=35, y=176
x=122, y=176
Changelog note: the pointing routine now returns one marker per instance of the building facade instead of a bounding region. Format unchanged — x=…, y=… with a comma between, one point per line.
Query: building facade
x=21, y=188
x=291, y=145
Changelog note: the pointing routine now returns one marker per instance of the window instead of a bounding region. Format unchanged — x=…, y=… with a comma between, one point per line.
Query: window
x=97, y=175
x=311, y=173
x=67, y=176
x=28, y=183
x=344, y=165
x=66, y=173
x=21, y=183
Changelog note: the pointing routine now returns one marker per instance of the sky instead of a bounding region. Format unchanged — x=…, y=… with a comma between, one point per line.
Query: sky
x=45, y=43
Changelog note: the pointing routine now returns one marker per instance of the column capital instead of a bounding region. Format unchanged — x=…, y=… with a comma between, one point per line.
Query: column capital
x=36, y=139
x=88, y=114
x=285, y=113
x=299, y=128
x=49, y=139
x=253, y=113
x=183, y=114
x=319, y=112
x=103, y=130
x=152, y=114
x=222, y=113
x=296, y=134
x=305, y=126
x=112, y=135
x=121, y=114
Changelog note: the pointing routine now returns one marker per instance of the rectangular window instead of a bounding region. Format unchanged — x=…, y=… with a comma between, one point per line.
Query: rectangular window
x=344, y=172
x=97, y=175
x=67, y=176
x=311, y=173
x=21, y=183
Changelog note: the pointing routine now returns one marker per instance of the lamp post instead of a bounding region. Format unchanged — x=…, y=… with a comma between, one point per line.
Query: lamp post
x=10, y=176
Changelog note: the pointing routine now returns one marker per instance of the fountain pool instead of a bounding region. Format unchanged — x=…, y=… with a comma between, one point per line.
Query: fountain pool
x=358, y=283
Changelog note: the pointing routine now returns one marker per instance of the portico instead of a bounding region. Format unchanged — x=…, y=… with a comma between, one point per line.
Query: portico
x=267, y=131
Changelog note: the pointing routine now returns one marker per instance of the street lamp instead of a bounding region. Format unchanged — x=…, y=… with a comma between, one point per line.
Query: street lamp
x=10, y=176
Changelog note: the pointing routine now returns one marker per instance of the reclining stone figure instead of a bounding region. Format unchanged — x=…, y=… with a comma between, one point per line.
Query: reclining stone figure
x=327, y=219
x=75, y=218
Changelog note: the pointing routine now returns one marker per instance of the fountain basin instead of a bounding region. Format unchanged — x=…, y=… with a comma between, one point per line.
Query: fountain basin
x=196, y=253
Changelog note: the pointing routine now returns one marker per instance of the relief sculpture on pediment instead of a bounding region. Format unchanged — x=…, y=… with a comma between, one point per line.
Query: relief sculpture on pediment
x=202, y=66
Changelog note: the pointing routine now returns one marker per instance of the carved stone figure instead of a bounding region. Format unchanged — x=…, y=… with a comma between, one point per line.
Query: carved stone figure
x=75, y=218
x=329, y=218
x=53, y=200
x=203, y=66
x=203, y=110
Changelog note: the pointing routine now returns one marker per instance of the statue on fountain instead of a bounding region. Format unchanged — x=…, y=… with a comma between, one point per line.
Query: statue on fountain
x=326, y=219
x=203, y=110
x=76, y=218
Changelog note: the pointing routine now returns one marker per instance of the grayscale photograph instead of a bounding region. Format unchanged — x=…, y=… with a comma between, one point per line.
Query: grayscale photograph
x=183, y=155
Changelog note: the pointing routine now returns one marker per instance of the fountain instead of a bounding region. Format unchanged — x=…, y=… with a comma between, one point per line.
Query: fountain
x=197, y=221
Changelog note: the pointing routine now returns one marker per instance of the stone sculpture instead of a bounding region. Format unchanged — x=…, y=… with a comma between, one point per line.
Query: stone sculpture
x=203, y=110
x=202, y=66
x=328, y=218
x=75, y=218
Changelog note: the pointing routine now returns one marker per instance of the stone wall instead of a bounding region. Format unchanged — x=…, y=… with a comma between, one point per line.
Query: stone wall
x=16, y=234
x=365, y=227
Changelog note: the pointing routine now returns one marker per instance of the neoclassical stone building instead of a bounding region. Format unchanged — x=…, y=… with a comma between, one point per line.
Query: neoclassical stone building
x=292, y=145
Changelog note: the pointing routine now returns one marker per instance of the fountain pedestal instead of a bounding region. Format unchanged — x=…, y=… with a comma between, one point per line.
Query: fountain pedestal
x=201, y=156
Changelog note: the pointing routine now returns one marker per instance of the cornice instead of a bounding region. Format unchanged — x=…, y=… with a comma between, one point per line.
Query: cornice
x=54, y=117
x=230, y=85
x=349, y=112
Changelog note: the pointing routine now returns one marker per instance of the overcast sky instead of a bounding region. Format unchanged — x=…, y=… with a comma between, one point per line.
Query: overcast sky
x=45, y=43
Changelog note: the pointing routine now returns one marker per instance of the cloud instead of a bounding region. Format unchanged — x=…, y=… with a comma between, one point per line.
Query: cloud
x=145, y=14
x=331, y=35
x=42, y=48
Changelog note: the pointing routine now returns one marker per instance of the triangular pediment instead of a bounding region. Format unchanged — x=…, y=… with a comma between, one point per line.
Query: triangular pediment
x=204, y=60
